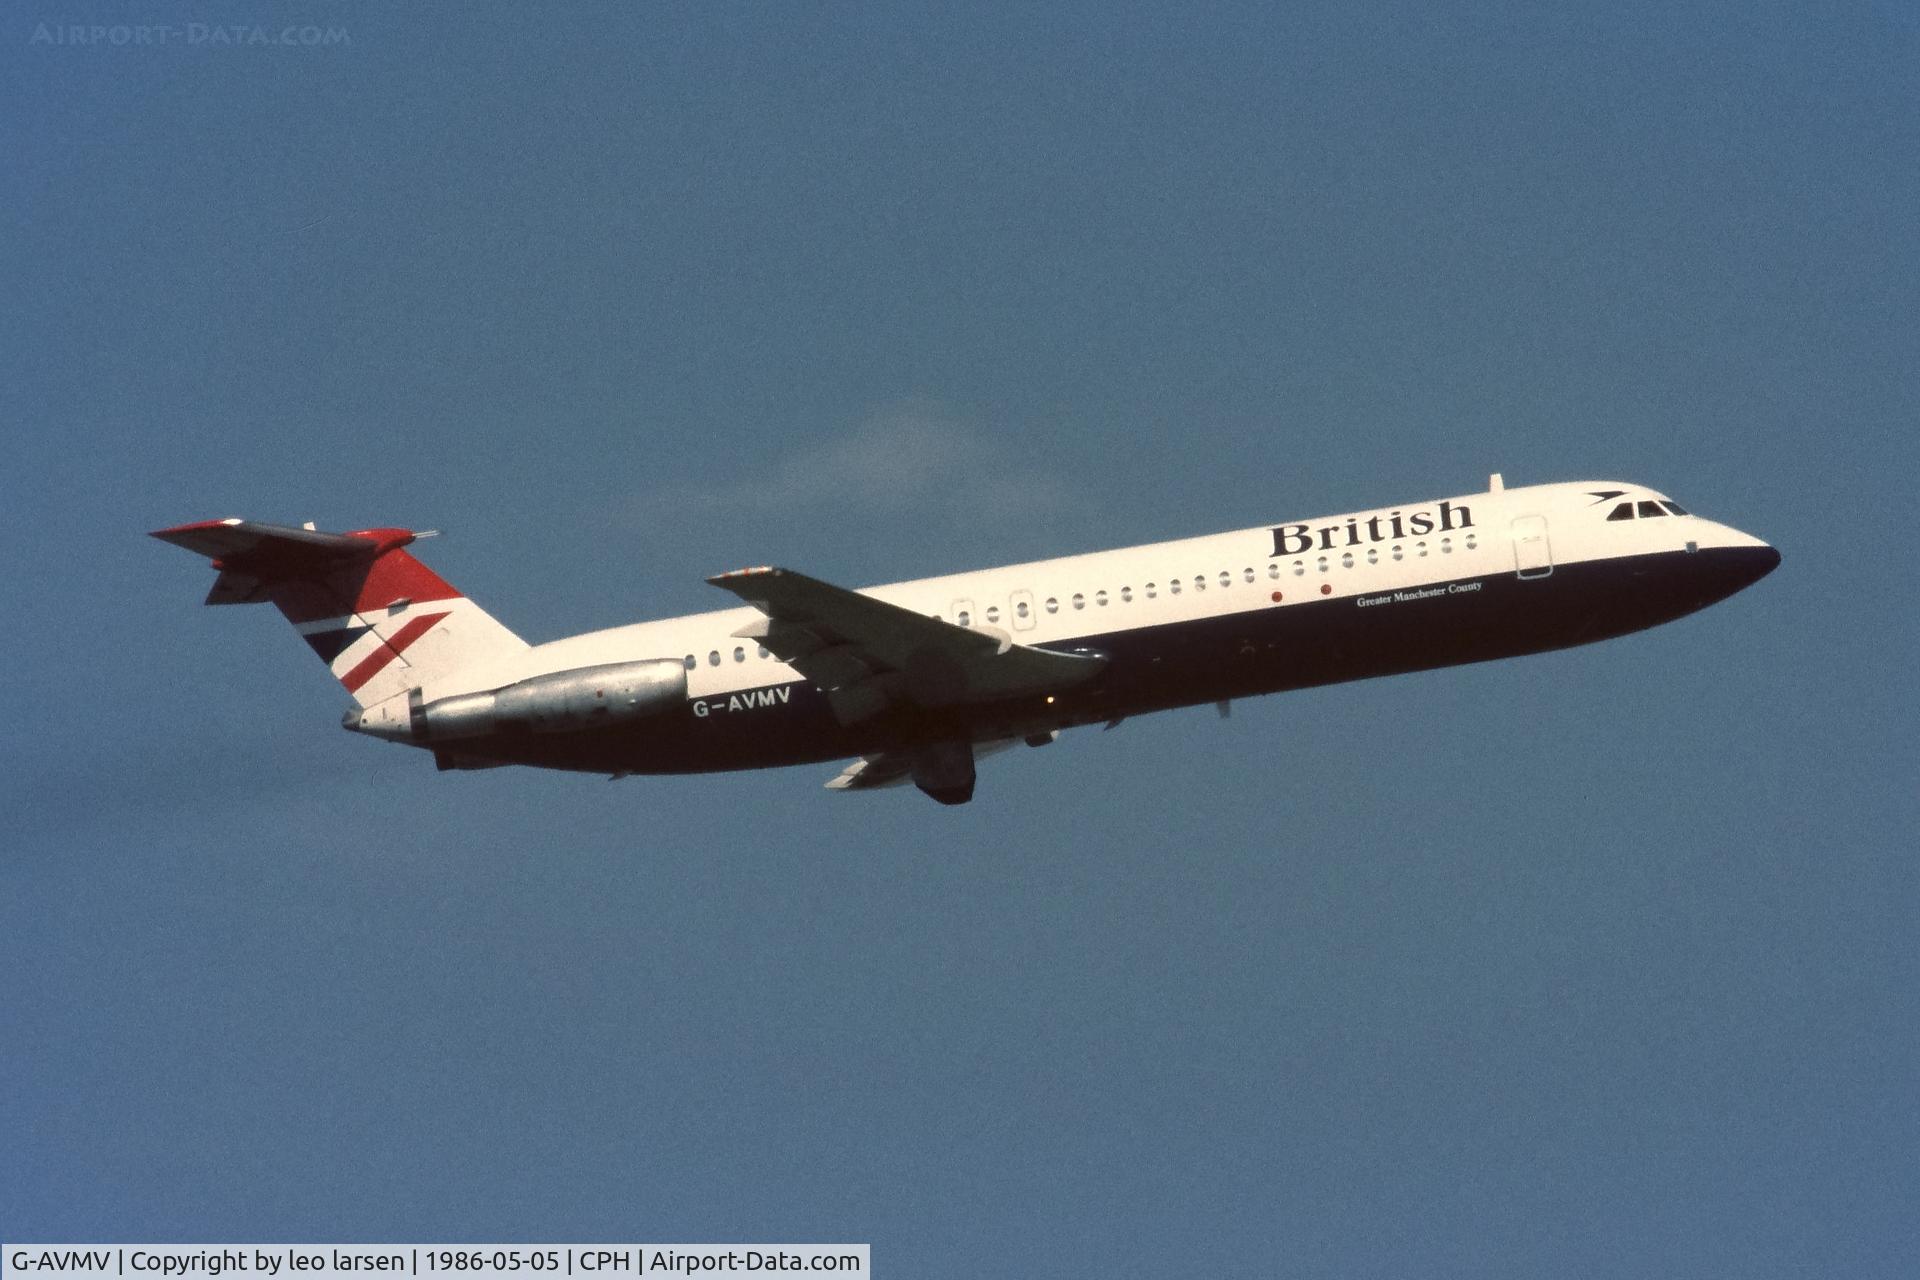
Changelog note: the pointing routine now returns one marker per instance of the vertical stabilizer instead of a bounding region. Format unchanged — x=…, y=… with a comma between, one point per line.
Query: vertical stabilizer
x=384, y=622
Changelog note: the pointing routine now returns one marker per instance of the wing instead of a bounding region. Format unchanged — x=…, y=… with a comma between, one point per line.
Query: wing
x=869, y=655
x=886, y=769
x=892, y=768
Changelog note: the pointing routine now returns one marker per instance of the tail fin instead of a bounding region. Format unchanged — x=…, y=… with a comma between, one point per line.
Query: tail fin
x=384, y=622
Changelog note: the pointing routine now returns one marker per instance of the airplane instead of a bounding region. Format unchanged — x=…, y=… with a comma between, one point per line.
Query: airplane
x=917, y=680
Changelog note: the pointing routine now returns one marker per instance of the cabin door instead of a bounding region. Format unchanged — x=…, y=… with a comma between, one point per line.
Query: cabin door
x=1532, y=556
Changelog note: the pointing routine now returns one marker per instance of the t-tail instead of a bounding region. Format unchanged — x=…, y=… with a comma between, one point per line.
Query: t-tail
x=384, y=622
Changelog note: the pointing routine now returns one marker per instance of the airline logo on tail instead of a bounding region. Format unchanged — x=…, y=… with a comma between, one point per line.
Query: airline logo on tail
x=336, y=641
x=382, y=621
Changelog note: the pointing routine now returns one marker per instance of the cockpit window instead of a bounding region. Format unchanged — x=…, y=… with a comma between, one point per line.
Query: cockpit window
x=1648, y=510
x=1622, y=512
x=1675, y=507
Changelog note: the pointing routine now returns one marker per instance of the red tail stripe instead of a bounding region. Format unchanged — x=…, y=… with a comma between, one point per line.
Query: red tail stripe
x=397, y=575
x=376, y=662
x=360, y=588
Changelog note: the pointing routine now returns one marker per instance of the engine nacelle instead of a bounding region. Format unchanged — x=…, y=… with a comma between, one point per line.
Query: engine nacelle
x=563, y=702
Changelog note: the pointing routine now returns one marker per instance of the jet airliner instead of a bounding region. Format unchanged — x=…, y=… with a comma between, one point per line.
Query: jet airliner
x=916, y=680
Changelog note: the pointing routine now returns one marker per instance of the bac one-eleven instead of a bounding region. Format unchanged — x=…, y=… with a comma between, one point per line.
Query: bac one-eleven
x=916, y=680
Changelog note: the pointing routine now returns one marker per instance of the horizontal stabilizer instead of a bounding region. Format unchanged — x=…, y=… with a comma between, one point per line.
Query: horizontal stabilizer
x=242, y=543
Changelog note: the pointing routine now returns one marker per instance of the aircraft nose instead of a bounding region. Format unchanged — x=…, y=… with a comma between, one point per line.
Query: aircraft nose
x=1720, y=561
x=1743, y=563
x=1756, y=563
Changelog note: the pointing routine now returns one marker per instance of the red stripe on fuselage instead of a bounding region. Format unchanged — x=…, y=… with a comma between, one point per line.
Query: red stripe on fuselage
x=376, y=662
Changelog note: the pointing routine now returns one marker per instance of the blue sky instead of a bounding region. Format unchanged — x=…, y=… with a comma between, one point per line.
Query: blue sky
x=1595, y=962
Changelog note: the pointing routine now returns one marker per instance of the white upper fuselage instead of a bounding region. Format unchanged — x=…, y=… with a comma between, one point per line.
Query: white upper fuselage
x=1369, y=554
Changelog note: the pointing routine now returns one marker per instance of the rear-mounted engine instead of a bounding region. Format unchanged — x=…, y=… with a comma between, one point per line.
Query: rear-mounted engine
x=564, y=702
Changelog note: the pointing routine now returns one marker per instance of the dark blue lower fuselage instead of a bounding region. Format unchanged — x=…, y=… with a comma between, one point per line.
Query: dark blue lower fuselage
x=1270, y=648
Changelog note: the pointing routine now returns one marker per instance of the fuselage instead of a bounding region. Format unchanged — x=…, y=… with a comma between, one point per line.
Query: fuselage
x=1262, y=610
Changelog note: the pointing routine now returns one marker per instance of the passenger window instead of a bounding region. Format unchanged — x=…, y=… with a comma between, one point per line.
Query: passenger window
x=964, y=618
x=1396, y=551
x=1446, y=545
x=1199, y=582
x=1053, y=605
x=993, y=613
x=1675, y=507
x=764, y=653
x=1622, y=512
x=1470, y=542
x=1299, y=567
x=1373, y=555
x=1079, y=601
x=1247, y=574
x=713, y=657
x=1420, y=548
x=1100, y=598
x=1021, y=609
x=691, y=662
x=1650, y=509
x=1152, y=594
x=1126, y=595
x=1173, y=586
x=1321, y=564
x=1273, y=570
x=1226, y=578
